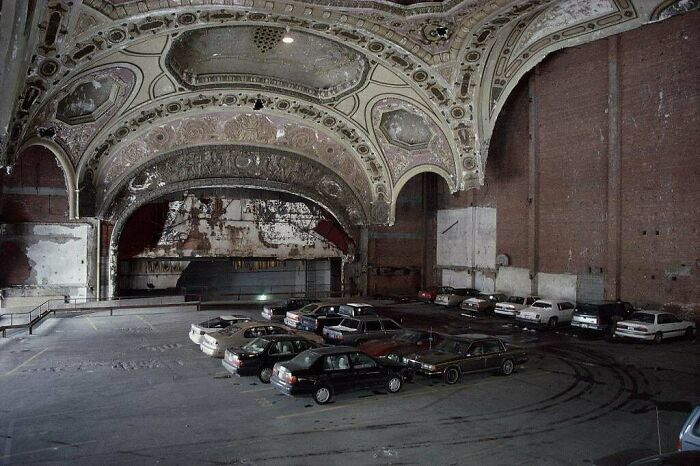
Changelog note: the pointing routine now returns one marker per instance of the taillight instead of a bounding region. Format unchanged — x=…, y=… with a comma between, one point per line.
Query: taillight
x=292, y=379
x=318, y=324
x=679, y=444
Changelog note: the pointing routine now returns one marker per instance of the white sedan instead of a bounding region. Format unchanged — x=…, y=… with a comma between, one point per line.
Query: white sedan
x=197, y=331
x=654, y=326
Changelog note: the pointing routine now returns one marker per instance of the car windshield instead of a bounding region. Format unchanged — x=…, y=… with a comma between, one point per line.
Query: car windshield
x=542, y=305
x=451, y=346
x=642, y=317
x=350, y=323
x=304, y=359
x=307, y=308
x=410, y=336
x=256, y=346
x=516, y=300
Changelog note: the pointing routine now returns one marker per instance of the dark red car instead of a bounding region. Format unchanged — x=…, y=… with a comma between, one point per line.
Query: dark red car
x=406, y=341
x=428, y=295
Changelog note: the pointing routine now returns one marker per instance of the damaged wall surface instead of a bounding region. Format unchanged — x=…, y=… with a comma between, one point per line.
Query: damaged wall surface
x=237, y=227
x=45, y=260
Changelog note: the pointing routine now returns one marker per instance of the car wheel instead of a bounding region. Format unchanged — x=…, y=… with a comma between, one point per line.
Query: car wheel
x=552, y=322
x=265, y=374
x=689, y=333
x=507, y=367
x=451, y=375
x=322, y=395
x=658, y=337
x=394, y=384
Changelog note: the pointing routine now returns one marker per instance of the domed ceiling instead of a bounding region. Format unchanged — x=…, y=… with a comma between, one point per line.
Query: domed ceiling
x=360, y=95
x=252, y=55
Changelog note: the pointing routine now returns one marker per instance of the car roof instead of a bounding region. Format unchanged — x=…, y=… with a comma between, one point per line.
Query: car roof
x=258, y=323
x=283, y=337
x=357, y=305
x=233, y=317
x=325, y=350
x=553, y=301
x=369, y=317
x=466, y=339
x=650, y=311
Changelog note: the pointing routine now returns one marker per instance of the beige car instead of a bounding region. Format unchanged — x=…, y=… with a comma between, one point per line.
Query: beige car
x=215, y=344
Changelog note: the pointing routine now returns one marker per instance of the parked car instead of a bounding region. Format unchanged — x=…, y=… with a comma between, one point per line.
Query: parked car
x=316, y=323
x=356, y=330
x=550, y=312
x=277, y=311
x=654, y=326
x=514, y=304
x=197, y=331
x=323, y=372
x=458, y=355
x=601, y=316
x=401, y=343
x=357, y=309
x=484, y=303
x=455, y=296
x=689, y=437
x=428, y=295
x=294, y=318
x=258, y=357
x=214, y=344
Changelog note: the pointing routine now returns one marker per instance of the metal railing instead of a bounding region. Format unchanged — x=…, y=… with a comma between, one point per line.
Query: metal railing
x=258, y=293
x=32, y=318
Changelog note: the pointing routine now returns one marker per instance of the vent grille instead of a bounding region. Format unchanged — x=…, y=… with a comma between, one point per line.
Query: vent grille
x=267, y=39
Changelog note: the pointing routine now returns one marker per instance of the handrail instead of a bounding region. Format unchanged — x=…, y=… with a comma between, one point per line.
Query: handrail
x=36, y=315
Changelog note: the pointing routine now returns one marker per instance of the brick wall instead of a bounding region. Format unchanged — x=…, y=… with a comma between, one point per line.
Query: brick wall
x=657, y=101
x=35, y=191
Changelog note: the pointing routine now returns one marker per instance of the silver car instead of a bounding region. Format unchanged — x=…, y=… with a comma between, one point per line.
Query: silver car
x=689, y=438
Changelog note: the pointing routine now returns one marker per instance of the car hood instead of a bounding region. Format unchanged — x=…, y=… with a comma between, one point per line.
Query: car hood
x=381, y=347
x=433, y=357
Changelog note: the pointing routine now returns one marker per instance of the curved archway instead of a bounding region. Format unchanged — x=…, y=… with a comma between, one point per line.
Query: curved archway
x=65, y=165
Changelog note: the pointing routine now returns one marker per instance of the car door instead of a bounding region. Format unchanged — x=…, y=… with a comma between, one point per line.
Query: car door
x=472, y=357
x=566, y=312
x=279, y=351
x=493, y=354
x=672, y=326
x=390, y=326
x=368, y=373
x=338, y=372
x=373, y=329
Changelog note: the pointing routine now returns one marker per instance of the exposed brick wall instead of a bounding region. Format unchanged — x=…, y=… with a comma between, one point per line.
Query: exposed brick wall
x=661, y=161
x=395, y=254
x=35, y=191
x=659, y=99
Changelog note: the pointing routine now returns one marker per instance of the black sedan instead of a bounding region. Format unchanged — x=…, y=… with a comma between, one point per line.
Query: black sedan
x=259, y=356
x=322, y=372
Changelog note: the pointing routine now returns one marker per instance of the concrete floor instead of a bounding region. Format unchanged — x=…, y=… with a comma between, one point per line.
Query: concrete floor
x=133, y=389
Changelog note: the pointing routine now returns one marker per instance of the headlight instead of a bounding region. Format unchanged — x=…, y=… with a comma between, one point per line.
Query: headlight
x=404, y=360
x=393, y=357
x=427, y=367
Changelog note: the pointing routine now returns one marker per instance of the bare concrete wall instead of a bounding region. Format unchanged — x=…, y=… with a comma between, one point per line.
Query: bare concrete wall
x=45, y=261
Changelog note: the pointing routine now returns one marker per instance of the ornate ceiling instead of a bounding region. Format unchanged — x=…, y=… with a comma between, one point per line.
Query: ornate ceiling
x=341, y=102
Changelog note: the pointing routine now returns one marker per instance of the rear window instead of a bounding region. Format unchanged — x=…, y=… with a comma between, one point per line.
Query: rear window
x=642, y=317
x=373, y=326
x=516, y=300
x=350, y=323
x=542, y=305
x=305, y=359
x=216, y=322
x=391, y=325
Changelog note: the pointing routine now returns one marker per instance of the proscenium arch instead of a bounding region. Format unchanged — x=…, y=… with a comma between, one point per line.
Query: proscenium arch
x=340, y=134
x=121, y=221
x=65, y=164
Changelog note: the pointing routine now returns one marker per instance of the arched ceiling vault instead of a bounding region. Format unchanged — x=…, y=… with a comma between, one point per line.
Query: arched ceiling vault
x=370, y=95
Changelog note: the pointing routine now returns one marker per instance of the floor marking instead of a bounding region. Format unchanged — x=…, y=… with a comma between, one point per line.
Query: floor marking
x=74, y=445
x=25, y=362
x=258, y=390
x=146, y=322
x=91, y=322
x=304, y=413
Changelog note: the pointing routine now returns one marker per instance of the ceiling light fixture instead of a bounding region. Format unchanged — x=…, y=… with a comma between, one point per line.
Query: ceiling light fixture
x=287, y=39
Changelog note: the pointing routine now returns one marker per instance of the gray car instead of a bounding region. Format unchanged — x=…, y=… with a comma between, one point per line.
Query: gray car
x=356, y=330
x=689, y=438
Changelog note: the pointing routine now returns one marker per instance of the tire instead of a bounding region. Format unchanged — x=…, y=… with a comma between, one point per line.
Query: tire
x=507, y=367
x=658, y=337
x=552, y=323
x=265, y=374
x=394, y=384
x=451, y=375
x=322, y=394
x=689, y=333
